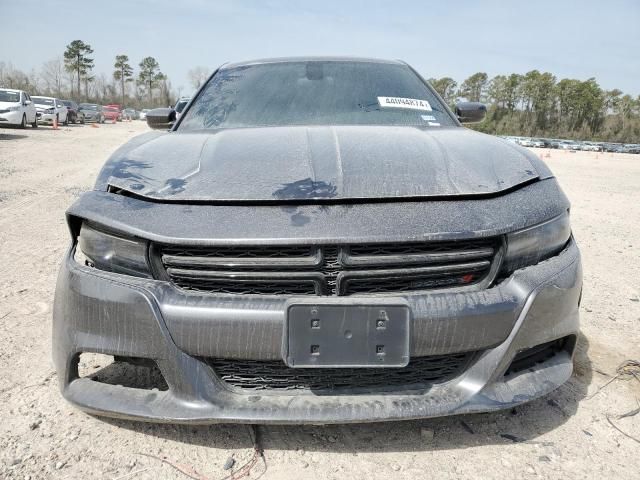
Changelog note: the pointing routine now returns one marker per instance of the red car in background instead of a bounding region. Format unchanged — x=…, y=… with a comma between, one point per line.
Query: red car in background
x=111, y=113
x=116, y=107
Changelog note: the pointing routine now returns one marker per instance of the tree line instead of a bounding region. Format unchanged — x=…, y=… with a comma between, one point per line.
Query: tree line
x=72, y=76
x=536, y=104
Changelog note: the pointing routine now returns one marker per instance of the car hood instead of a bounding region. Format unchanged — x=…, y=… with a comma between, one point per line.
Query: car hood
x=9, y=104
x=317, y=164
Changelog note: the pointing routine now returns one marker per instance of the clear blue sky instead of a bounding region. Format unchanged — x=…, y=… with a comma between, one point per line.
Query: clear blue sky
x=577, y=39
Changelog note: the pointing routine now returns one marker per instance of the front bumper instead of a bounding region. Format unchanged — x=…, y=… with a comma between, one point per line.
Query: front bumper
x=11, y=118
x=46, y=117
x=123, y=316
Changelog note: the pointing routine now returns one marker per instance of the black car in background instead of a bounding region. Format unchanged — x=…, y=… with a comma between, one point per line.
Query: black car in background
x=92, y=112
x=74, y=115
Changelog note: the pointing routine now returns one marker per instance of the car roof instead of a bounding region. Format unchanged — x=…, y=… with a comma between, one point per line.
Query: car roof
x=11, y=90
x=261, y=61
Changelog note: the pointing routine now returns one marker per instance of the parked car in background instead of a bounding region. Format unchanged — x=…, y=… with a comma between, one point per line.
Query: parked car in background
x=92, y=112
x=591, y=147
x=49, y=109
x=73, y=111
x=111, y=113
x=130, y=114
x=17, y=108
x=118, y=108
x=531, y=142
x=180, y=104
x=143, y=113
x=630, y=148
x=566, y=145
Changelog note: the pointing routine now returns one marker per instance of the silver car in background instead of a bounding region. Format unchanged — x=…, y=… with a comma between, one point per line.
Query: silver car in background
x=49, y=109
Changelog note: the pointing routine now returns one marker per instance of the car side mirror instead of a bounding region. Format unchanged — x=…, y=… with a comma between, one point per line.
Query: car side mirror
x=470, y=112
x=27, y=102
x=161, y=118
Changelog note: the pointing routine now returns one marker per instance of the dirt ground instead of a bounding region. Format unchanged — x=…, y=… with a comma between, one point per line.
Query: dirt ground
x=564, y=435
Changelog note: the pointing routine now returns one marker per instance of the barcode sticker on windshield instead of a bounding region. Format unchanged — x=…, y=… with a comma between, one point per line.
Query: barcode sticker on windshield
x=409, y=103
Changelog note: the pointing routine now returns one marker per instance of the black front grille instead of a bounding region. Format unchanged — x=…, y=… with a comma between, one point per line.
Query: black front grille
x=265, y=375
x=329, y=269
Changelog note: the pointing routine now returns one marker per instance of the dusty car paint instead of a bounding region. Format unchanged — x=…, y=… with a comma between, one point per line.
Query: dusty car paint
x=319, y=163
x=329, y=186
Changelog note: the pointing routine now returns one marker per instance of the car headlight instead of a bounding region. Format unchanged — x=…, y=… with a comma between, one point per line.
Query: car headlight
x=14, y=109
x=534, y=244
x=111, y=253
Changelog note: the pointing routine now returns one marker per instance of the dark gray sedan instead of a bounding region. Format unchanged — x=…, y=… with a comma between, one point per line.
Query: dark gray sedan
x=92, y=112
x=317, y=240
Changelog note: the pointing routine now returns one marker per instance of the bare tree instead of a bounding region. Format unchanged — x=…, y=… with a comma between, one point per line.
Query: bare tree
x=198, y=75
x=53, y=74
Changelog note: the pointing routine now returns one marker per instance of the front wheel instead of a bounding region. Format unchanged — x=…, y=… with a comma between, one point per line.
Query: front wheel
x=23, y=124
x=66, y=121
x=35, y=122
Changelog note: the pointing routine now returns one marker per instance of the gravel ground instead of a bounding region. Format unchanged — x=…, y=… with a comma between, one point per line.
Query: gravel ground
x=564, y=435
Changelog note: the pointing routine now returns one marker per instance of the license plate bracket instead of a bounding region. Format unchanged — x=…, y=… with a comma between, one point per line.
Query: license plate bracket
x=347, y=334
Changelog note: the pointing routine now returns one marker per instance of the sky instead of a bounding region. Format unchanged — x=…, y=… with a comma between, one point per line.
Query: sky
x=574, y=39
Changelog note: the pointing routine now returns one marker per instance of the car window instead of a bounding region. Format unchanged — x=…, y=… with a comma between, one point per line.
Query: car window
x=6, y=96
x=43, y=101
x=180, y=105
x=316, y=93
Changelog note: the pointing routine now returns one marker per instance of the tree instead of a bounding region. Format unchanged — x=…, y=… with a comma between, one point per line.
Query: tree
x=446, y=88
x=87, y=80
x=197, y=76
x=53, y=75
x=122, y=73
x=77, y=61
x=473, y=88
x=150, y=75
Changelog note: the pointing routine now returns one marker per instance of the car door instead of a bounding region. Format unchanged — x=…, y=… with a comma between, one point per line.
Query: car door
x=30, y=108
x=61, y=108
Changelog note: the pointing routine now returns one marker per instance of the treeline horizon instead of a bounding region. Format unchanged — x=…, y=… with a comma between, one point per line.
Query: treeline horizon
x=71, y=76
x=536, y=104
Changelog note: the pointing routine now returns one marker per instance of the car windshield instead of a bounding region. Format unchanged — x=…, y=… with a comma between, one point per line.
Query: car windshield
x=68, y=103
x=42, y=100
x=316, y=93
x=6, y=96
x=88, y=106
x=111, y=109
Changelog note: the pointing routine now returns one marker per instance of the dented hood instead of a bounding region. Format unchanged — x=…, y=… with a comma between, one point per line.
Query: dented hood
x=317, y=163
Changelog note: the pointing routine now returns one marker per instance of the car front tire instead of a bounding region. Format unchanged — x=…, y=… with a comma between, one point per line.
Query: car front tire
x=23, y=124
x=35, y=122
